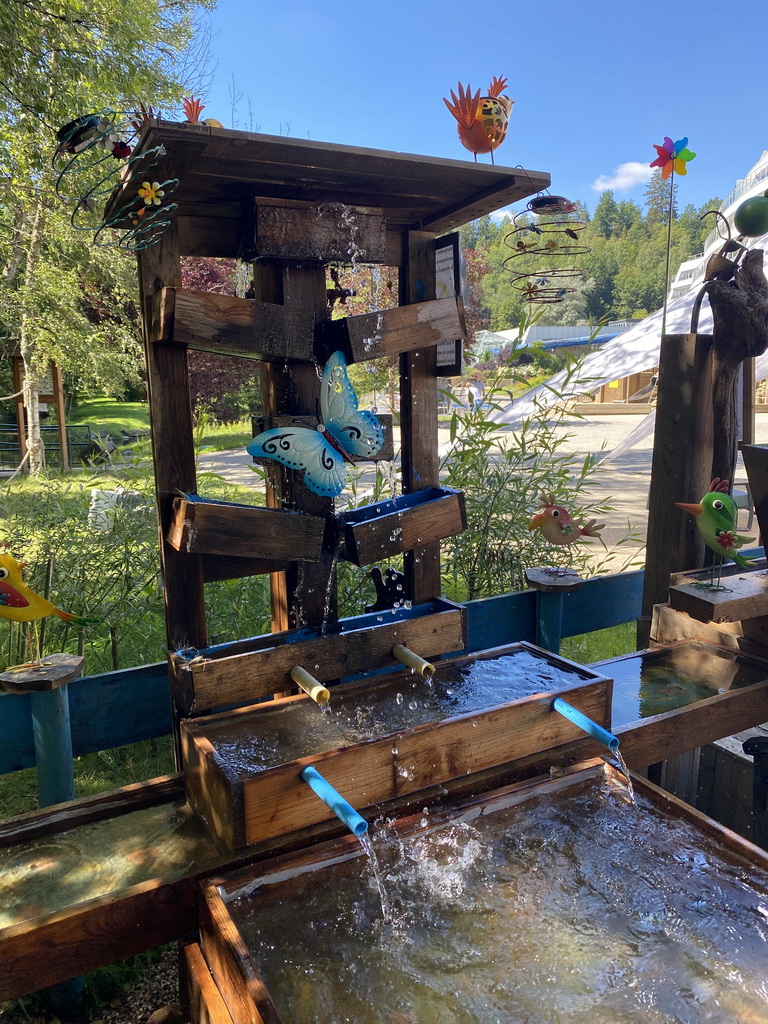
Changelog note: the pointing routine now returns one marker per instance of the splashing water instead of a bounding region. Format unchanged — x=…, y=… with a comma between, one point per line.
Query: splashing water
x=570, y=906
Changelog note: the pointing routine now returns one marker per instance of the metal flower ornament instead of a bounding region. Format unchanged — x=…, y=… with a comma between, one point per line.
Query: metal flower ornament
x=673, y=158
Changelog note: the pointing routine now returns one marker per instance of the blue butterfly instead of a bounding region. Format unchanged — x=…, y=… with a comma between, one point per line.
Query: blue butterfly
x=322, y=453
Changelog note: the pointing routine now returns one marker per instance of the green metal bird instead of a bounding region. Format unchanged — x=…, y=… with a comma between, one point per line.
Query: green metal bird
x=716, y=522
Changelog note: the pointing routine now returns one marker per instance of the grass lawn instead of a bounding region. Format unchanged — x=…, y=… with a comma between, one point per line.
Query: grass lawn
x=107, y=416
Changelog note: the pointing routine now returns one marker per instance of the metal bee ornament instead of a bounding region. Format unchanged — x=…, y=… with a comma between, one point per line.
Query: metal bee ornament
x=482, y=120
x=554, y=236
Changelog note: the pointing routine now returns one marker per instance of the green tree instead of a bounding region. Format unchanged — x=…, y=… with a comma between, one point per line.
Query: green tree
x=57, y=61
x=605, y=221
x=657, y=199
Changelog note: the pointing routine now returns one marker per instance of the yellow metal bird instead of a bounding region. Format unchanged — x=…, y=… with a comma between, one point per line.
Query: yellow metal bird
x=20, y=603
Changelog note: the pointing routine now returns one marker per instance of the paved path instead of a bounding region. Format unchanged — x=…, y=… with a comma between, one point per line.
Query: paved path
x=623, y=482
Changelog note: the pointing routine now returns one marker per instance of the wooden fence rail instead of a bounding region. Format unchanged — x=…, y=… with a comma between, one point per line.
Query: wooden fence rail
x=116, y=708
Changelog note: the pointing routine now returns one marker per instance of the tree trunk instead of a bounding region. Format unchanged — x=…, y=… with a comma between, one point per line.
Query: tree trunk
x=28, y=345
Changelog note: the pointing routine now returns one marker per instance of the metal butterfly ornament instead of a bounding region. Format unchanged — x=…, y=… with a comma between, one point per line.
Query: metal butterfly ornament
x=323, y=453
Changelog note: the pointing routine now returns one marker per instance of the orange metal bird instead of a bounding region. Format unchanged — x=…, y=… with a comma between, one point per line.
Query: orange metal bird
x=482, y=120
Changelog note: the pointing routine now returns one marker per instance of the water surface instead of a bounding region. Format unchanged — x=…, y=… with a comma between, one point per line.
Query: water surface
x=573, y=908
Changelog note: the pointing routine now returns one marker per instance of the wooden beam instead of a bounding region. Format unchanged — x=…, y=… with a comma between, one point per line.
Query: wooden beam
x=390, y=331
x=244, y=531
x=228, y=325
x=173, y=452
x=681, y=465
x=328, y=232
x=418, y=411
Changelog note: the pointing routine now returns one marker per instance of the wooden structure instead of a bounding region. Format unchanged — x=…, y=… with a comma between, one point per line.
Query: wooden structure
x=293, y=208
x=52, y=391
x=225, y=981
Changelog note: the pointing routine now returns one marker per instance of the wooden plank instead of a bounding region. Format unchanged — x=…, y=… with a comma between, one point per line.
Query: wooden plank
x=209, y=682
x=50, y=820
x=414, y=191
x=366, y=774
x=204, y=1001
x=756, y=464
x=744, y=597
x=241, y=986
x=387, y=528
x=222, y=528
x=391, y=331
x=750, y=637
x=329, y=232
x=220, y=567
x=172, y=446
x=54, y=671
x=227, y=325
x=209, y=790
x=695, y=725
x=94, y=934
x=681, y=466
x=385, y=454
x=418, y=412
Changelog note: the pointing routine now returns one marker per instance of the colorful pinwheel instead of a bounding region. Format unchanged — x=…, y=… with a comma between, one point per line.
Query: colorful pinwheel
x=673, y=157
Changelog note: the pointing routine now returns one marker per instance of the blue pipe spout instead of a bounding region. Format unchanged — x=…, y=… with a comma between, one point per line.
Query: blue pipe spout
x=346, y=812
x=596, y=731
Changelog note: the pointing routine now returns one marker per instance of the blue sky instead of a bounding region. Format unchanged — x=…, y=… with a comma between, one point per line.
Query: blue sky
x=595, y=84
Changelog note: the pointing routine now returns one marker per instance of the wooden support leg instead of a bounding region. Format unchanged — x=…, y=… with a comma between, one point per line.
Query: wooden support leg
x=53, y=746
x=549, y=620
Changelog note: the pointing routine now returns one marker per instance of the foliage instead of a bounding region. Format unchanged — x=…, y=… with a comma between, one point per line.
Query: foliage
x=622, y=276
x=225, y=386
x=61, y=297
x=502, y=473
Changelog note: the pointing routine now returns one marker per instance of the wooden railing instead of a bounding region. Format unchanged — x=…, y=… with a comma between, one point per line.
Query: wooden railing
x=116, y=708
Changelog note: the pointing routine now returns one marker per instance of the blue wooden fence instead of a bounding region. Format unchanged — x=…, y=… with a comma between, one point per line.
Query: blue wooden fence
x=133, y=704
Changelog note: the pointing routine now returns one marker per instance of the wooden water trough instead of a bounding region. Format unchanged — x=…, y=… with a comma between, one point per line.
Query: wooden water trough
x=225, y=973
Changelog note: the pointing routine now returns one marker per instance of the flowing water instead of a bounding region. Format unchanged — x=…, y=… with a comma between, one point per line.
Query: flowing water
x=572, y=907
x=55, y=872
x=390, y=705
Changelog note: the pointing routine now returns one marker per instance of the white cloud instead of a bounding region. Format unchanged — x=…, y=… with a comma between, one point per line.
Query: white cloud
x=625, y=176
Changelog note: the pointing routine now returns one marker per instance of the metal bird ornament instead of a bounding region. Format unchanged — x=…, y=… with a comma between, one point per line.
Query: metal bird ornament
x=482, y=120
x=558, y=526
x=20, y=603
x=715, y=518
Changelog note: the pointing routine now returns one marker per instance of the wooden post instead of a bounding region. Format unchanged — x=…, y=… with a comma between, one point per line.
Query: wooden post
x=172, y=447
x=49, y=703
x=681, y=466
x=306, y=593
x=418, y=411
x=551, y=589
x=58, y=401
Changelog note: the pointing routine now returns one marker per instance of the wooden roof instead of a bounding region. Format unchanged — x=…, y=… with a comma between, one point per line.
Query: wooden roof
x=219, y=166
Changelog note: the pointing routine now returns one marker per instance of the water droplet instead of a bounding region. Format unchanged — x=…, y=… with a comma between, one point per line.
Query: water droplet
x=413, y=704
x=399, y=698
x=394, y=751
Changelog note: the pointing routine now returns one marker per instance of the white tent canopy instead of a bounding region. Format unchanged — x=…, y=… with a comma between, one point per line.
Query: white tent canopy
x=632, y=352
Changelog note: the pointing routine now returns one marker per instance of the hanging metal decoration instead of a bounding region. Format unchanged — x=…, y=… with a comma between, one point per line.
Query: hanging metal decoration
x=554, y=235
x=95, y=155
